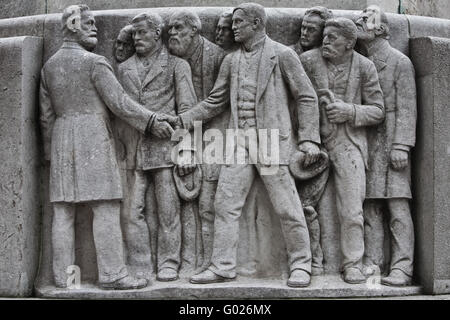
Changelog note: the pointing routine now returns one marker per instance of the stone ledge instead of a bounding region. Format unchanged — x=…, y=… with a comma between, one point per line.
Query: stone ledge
x=245, y=288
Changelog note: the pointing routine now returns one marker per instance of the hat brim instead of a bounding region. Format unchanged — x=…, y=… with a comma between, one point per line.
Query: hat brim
x=301, y=173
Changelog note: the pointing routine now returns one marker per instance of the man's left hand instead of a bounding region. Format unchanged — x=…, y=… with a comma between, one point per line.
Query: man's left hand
x=339, y=112
x=399, y=159
x=312, y=153
x=184, y=170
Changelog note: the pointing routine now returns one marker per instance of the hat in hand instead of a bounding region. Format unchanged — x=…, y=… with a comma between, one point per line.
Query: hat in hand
x=311, y=171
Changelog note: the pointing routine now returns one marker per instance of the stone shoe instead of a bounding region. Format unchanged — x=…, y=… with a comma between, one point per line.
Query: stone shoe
x=208, y=276
x=126, y=283
x=396, y=278
x=167, y=274
x=299, y=279
x=353, y=276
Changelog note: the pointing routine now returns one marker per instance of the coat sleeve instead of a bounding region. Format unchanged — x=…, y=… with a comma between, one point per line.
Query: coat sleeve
x=47, y=115
x=116, y=98
x=304, y=96
x=217, y=101
x=406, y=104
x=371, y=112
x=184, y=89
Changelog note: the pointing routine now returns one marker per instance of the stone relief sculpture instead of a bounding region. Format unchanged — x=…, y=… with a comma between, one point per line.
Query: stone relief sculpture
x=124, y=46
x=248, y=81
x=336, y=111
x=77, y=89
x=163, y=84
x=204, y=59
x=389, y=175
x=350, y=100
x=310, y=191
x=224, y=33
x=312, y=29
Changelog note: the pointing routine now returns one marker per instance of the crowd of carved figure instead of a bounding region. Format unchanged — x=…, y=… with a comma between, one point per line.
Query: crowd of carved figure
x=339, y=113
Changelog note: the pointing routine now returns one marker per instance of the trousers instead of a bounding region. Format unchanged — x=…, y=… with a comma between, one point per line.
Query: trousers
x=349, y=174
x=107, y=238
x=401, y=230
x=233, y=187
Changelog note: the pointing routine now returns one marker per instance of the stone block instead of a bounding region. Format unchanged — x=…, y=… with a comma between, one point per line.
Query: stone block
x=20, y=184
x=432, y=166
x=18, y=8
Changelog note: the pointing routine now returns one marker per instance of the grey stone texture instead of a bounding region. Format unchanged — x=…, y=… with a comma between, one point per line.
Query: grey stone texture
x=20, y=185
x=431, y=178
x=283, y=26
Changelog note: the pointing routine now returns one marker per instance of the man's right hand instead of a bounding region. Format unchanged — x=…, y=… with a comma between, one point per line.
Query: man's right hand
x=161, y=129
x=175, y=121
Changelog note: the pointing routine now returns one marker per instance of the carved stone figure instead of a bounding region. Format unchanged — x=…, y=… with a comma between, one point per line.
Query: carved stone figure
x=224, y=33
x=204, y=59
x=389, y=174
x=312, y=189
x=124, y=46
x=260, y=76
x=311, y=33
x=350, y=100
x=162, y=83
x=77, y=89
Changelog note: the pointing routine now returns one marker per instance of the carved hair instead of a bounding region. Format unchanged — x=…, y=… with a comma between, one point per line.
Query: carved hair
x=72, y=15
x=346, y=26
x=154, y=20
x=253, y=10
x=188, y=17
x=227, y=15
x=128, y=30
x=324, y=13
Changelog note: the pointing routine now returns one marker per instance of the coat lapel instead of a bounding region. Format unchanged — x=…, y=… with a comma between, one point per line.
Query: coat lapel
x=157, y=67
x=353, y=82
x=207, y=69
x=133, y=72
x=236, y=58
x=265, y=68
x=321, y=74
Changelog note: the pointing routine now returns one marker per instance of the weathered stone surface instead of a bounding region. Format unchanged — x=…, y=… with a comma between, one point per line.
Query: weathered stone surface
x=24, y=26
x=20, y=184
x=17, y=8
x=425, y=26
x=432, y=165
x=243, y=288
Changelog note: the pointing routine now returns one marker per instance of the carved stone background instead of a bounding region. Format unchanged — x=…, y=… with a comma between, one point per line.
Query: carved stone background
x=284, y=26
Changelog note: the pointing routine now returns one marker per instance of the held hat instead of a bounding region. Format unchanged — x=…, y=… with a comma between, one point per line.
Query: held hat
x=188, y=186
x=301, y=173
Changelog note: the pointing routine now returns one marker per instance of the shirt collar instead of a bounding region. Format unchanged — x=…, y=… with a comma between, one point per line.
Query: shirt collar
x=72, y=45
x=257, y=45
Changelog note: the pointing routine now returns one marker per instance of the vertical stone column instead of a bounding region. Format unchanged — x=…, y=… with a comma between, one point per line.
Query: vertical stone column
x=431, y=157
x=20, y=205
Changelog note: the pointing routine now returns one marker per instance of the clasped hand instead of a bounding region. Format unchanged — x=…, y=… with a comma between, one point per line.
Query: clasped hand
x=162, y=126
x=339, y=112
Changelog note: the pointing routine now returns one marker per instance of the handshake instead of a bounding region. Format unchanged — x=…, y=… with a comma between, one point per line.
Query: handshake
x=163, y=126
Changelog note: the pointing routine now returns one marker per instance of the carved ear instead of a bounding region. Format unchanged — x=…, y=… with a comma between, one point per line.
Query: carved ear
x=381, y=29
x=194, y=31
x=158, y=33
x=74, y=21
x=256, y=23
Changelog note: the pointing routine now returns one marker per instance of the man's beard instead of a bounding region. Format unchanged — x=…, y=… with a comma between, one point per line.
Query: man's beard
x=179, y=46
x=89, y=43
x=329, y=53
